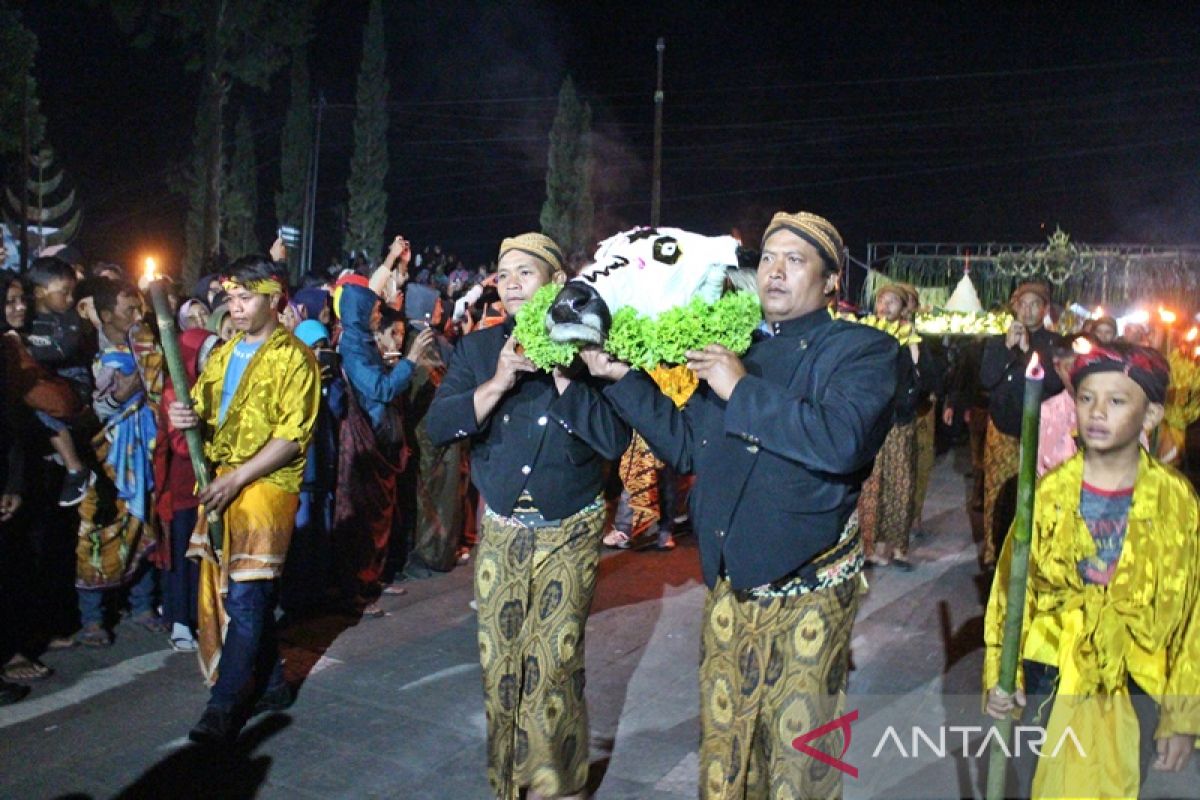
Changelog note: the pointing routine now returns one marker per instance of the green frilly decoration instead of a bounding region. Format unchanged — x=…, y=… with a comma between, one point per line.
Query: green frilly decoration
x=641, y=341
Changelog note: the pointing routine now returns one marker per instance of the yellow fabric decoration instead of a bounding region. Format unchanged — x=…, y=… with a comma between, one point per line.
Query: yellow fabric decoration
x=902, y=330
x=677, y=382
x=1145, y=624
x=277, y=398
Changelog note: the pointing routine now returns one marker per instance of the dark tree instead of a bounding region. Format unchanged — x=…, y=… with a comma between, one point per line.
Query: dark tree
x=227, y=42
x=295, y=151
x=366, y=209
x=241, y=198
x=18, y=47
x=567, y=213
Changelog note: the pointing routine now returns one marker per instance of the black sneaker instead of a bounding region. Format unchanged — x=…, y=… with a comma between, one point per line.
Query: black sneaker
x=274, y=700
x=216, y=726
x=74, y=488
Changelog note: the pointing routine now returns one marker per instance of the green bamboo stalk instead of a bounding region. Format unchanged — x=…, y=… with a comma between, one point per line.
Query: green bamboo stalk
x=1022, y=532
x=174, y=358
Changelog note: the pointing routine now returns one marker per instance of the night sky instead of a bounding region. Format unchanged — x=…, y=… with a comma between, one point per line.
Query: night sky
x=911, y=122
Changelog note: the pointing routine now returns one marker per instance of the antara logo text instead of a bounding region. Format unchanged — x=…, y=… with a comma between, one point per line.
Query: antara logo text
x=936, y=742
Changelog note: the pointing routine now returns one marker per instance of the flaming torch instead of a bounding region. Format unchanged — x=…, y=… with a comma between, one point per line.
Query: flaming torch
x=174, y=357
x=1167, y=317
x=1022, y=532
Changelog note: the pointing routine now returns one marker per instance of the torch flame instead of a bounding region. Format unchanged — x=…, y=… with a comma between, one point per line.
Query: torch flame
x=151, y=271
x=1196, y=353
x=1034, y=371
x=1166, y=315
x=1098, y=313
x=1192, y=334
x=1081, y=346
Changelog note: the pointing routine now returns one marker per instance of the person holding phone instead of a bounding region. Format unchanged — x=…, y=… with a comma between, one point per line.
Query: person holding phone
x=372, y=450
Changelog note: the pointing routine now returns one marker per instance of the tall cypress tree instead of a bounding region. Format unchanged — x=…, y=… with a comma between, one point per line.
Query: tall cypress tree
x=567, y=213
x=295, y=150
x=229, y=42
x=18, y=46
x=241, y=195
x=366, y=209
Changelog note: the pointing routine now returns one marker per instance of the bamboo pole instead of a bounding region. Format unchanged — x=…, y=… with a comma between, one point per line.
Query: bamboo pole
x=174, y=358
x=1022, y=532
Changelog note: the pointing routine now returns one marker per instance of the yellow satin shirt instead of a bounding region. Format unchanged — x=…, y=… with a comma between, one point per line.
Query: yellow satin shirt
x=278, y=398
x=1145, y=624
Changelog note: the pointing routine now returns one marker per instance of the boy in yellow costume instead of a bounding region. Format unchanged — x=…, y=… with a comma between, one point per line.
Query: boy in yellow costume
x=1111, y=630
x=257, y=402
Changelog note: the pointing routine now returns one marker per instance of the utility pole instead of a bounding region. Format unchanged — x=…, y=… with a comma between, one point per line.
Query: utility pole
x=656, y=184
x=310, y=193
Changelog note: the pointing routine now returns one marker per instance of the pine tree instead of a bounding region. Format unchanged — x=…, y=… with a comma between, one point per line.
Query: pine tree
x=366, y=209
x=567, y=213
x=18, y=46
x=241, y=197
x=228, y=42
x=294, y=153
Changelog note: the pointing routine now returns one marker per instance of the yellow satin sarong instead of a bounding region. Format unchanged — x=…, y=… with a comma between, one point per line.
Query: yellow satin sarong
x=257, y=531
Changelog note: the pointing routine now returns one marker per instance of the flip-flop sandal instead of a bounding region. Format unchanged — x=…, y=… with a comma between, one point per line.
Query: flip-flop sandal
x=61, y=643
x=617, y=540
x=374, y=611
x=94, y=637
x=20, y=668
x=183, y=644
x=152, y=622
x=393, y=590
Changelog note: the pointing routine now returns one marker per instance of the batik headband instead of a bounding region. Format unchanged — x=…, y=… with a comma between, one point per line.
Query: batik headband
x=262, y=286
x=1143, y=365
x=535, y=244
x=817, y=231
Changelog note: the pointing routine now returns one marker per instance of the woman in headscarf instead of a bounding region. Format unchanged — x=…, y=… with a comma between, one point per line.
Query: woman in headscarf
x=372, y=448
x=193, y=314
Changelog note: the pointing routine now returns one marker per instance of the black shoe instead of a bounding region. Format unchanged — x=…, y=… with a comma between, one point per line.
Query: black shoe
x=274, y=700
x=11, y=692
x=74, y=488
x=217, y=726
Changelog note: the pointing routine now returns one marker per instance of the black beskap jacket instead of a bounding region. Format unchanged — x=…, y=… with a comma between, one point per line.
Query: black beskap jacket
x=555, y=446
x=779, y=467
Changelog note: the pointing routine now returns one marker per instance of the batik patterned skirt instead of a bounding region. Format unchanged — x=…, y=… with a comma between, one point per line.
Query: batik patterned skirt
x=926, y=455
x=885, y=507
x=534, y=581
x=1001, y=461
x=771, y=669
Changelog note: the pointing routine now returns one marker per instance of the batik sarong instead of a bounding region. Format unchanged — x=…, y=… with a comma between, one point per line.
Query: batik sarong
x=926, y=429
x=534, y=581
x=639, y=470
x=885, y=507
x=1001, y=457
x=116, y=522
x=257, y=530
x=772, y=668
